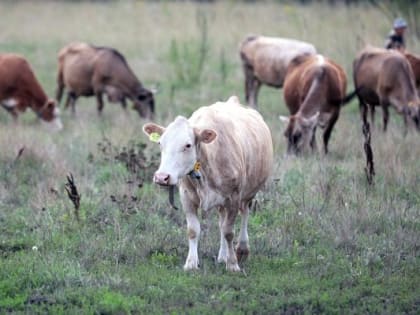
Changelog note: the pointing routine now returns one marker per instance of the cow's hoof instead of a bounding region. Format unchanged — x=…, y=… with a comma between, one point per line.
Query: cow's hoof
x=242, y=253
x=233, y=267
x=191, y=265
x=222, y=258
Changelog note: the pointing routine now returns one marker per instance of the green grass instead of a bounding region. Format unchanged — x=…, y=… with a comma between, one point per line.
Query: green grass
x=322, y=241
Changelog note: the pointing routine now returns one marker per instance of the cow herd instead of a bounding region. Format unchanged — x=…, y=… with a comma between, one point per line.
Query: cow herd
x=83, y=70
x=222, y=155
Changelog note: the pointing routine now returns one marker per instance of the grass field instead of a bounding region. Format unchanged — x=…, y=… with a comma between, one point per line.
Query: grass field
x=322, y=240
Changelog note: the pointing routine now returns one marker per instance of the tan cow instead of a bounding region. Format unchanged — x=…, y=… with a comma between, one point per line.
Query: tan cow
x=385, y=78
x=414, y=61
x=220, y=157
x=20, y=89
x=86, y=70
x=314, y=90
x=265, y=61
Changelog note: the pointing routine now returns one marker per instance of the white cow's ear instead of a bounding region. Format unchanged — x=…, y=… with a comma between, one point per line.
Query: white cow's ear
x=151, y=128
x=205, y=135
x=284, y=119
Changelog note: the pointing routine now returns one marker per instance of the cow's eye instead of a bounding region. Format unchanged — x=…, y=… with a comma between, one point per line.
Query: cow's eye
x=187, y=146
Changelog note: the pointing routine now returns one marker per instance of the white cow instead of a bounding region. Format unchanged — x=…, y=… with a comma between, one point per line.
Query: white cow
x=220, y=157
x=265, y=60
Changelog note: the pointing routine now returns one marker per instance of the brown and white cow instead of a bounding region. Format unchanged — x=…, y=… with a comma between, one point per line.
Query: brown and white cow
x=220, y=157
x=414, y=61
x=20, y=89
x=314, y=91
x=265, y=61
x=385, y=78
x=86, y=70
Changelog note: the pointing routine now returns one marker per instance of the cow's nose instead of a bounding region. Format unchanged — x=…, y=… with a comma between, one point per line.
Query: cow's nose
x=161, y=178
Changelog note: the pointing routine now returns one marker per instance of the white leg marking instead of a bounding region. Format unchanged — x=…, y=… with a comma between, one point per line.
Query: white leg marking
x=9, y=103
x=243, y=234
x=222, y=257
x=193, y=226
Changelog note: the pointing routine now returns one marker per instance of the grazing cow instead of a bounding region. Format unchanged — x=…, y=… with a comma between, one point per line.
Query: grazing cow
x=220, y=157
x=314, y=91
x=265, y=60
x=19, y=90
x=415, y=66
x=86, y=70
x=383, y=78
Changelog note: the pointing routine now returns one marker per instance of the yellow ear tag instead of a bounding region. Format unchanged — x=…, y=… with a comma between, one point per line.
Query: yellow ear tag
x=154, y=137
x=197, y=166
x=411, y=104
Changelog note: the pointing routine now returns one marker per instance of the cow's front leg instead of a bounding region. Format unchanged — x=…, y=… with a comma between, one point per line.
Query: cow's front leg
x=231, y=260
x=193, y=231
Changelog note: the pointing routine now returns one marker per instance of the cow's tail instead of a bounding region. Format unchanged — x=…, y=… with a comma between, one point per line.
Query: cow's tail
x=60, y=81
x=347, y=99
x=314, y=88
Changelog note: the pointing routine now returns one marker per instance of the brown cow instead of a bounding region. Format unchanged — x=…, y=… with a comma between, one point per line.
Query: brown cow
x=414, y=61
x=385, y=78
x=314, y=91
x=265, y=61
x=86, y=70
x=20, y=89
x=220, y=157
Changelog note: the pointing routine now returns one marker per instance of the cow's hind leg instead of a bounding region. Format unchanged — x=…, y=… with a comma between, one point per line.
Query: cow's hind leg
x=327, y=133
x=123, y=103
x=100, y=101
x=253, y=95
x=227, y=230
x=71, y=101
x=242, y=250
x=372, y=114
x=223, y=249
x=385, y=109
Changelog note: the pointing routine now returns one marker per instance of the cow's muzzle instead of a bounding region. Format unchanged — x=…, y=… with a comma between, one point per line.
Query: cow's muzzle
x=161, y=179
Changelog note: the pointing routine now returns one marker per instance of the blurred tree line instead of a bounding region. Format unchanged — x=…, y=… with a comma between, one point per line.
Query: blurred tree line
x=407, y=9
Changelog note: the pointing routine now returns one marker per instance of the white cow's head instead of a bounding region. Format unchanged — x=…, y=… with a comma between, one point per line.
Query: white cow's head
x=179, y=145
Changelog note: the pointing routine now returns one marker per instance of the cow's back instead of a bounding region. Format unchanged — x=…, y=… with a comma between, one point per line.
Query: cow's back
x=114, y=69
x=271, y=56
x=17, y=78
x=241, y=157
x=76, y=63
x=379, y=72
x=415, y=65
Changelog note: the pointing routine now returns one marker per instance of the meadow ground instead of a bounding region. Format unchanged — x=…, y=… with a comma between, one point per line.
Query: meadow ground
x=322, y=240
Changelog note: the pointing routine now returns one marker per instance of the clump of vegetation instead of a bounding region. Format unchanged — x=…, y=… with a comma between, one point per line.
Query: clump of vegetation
x=140, y=168
x=188, y=58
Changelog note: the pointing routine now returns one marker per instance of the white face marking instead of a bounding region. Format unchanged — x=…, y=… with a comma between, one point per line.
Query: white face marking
x=9, y=103
x=320, y=59
x=53, y=125
x=178, y=153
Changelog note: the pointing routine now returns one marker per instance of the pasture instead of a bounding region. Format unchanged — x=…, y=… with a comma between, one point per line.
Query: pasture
x=322, y=240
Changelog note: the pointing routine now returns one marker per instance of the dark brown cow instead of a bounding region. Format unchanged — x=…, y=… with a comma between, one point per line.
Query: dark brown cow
x=385, y=78
x=87, y=70
x=415, y=66
x=314, y=90
x=19, y=90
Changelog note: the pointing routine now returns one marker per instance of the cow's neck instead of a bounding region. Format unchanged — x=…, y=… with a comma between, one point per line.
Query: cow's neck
x=39, y=98
x=208, y=196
